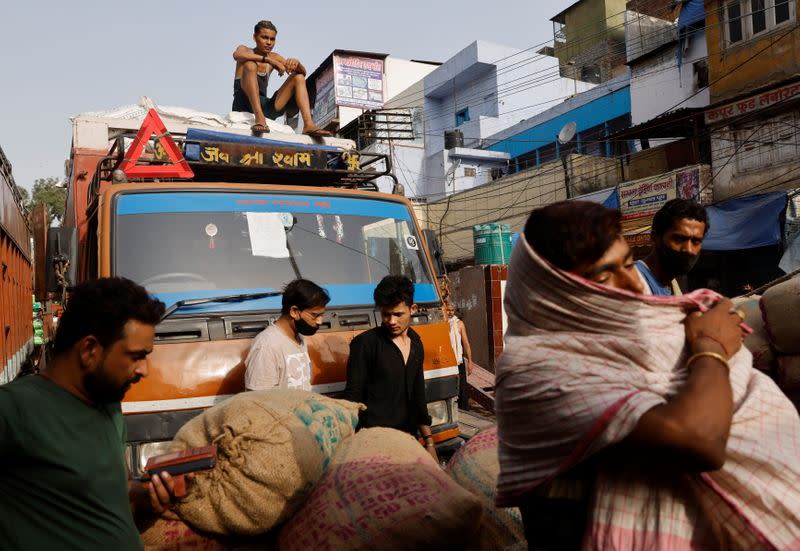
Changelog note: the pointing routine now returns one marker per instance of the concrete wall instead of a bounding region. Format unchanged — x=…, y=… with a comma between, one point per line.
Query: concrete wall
x=412, y=96
x=497, y=95
x=604, y=102
x=595, y=36
x=732, y=73
x=509, y=200
x=403, y=73
x=589, y=174
x=589, y=22
x=477, y=293
x=645, y=33
x=658, y=84
x=468, y=294
x=744, y=69
x=730, y=181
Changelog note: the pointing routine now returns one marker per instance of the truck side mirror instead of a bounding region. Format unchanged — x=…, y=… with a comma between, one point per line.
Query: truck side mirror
x=61, y=259
x=437, y=254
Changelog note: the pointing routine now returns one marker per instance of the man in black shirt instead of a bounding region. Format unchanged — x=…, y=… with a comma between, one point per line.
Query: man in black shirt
x=384, y=370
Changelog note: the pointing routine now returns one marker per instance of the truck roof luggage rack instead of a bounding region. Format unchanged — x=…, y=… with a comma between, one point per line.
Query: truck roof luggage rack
x=213, y=156
x=236, y=163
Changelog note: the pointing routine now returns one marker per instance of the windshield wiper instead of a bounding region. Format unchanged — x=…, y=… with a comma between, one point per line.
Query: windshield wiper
x=225, y=298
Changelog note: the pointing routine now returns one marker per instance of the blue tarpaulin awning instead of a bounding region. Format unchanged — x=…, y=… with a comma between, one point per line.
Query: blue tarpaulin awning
x=692, y=17
x=692, y=13
x=745, y=222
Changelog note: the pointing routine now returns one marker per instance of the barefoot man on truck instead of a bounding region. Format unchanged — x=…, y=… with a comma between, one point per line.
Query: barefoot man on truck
x=253, y=68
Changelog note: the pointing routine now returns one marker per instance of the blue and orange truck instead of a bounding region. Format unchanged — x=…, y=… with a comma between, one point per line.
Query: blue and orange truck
x=218, y=235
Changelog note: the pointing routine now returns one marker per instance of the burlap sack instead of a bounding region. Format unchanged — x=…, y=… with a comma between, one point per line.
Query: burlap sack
x=781, y=309
x=475, y=467
x=757, y=342
x=789, y=373
x=175, y=535
x=383, y=491
x=789, y=378
x=273, y=446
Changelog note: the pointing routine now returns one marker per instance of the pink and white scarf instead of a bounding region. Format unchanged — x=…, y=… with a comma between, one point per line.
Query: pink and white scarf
x=582, y=363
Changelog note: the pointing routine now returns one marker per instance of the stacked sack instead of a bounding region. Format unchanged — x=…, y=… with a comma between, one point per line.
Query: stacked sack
x=272, y=448
x=780, y=308
x=757, y=342
x=383, y=491
x=169, y=533
x=476, y=467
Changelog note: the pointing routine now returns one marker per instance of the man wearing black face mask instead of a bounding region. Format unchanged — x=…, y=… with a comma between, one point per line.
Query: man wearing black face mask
x=679, y=228
x=278, y=357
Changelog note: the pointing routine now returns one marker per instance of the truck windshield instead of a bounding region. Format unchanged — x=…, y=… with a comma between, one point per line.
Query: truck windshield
x=183, y=242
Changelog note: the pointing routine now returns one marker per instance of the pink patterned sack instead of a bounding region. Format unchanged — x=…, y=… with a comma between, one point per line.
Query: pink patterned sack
x=383, y=491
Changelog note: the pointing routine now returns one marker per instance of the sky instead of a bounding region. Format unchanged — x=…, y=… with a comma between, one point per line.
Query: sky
x=61, y=58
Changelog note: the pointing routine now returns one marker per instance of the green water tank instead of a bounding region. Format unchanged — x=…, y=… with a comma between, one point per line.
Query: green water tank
x=492, y=243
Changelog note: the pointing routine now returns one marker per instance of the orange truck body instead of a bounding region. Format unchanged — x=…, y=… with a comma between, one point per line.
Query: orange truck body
x=199, y=354
x=16, y=283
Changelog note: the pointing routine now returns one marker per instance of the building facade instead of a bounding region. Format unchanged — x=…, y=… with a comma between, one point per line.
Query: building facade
x=482, y=90
x=589, y=40
x=593, y=117
x=348, y=83
x=754, y=73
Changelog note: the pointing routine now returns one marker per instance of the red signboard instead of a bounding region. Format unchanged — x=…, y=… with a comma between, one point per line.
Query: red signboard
x=753, y=103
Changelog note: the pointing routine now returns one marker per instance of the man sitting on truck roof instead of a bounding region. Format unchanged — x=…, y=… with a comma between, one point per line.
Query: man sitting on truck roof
x=278, y=357
x=63, y=479
x=253, y=67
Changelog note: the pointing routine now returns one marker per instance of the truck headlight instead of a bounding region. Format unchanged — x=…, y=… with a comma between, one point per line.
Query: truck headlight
x=453, y=410
x=438, y=412
x=138, y=454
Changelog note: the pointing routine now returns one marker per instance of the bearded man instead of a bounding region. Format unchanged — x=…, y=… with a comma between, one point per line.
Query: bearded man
x=64, y=483
x=679, y=228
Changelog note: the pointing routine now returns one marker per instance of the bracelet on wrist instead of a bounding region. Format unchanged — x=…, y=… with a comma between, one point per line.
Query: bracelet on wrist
x=719, y=357
x=712, y=339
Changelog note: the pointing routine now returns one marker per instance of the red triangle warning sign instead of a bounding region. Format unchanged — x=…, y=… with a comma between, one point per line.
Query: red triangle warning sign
x=151, y=125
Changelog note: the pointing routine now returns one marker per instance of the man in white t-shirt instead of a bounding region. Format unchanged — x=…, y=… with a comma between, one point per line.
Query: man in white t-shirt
x=279, y=357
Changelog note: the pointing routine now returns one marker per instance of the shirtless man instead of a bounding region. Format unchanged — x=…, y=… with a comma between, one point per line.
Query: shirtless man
x=253, y=67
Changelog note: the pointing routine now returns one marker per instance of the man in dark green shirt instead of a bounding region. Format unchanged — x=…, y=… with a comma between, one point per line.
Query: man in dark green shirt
x=63, y=478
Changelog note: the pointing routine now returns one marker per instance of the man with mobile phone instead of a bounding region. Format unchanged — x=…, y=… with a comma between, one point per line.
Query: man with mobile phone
x=64, y=483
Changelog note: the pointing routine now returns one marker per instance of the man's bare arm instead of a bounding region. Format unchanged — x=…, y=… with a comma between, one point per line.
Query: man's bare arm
x=427, y=437
x=465, y=345
x=245, y=53
x=695, y=423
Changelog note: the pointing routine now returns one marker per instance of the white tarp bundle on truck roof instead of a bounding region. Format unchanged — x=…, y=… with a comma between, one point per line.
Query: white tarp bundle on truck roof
x=234, y=119
x=96, y=129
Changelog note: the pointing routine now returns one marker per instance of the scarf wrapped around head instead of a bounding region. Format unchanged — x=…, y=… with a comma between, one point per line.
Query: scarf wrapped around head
x=583, y=362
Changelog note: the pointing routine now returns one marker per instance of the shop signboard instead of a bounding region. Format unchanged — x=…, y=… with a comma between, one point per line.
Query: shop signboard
x=645, y=196
x=359, y=81
x=325, y=106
